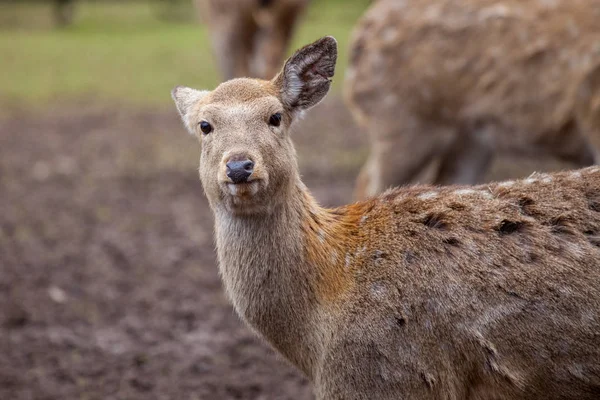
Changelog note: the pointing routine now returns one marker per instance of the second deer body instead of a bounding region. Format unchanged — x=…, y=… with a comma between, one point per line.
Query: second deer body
x=461, y=80
x=486, y=292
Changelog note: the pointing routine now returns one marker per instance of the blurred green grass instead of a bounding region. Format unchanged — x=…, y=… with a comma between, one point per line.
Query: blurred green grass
x=124, y=53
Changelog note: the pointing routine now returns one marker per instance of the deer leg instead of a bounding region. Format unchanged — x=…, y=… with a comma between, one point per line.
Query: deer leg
x=587, y=117
x=398, y=156
x=571, y=145
x=232, y=41
x=465, y=163
x=580, y=152
x=276, y=24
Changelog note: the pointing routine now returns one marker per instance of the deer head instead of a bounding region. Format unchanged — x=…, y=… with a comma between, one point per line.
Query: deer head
x=248, y=162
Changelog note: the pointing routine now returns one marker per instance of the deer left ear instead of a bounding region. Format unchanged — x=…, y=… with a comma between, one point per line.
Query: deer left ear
x=185, y=98
x=306, y=76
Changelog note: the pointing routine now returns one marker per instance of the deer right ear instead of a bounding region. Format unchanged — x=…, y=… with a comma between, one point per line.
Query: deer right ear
x=306, y=76
x=185, y=98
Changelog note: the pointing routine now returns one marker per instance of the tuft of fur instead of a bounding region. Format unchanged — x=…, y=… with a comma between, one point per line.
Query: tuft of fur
x=484, y=292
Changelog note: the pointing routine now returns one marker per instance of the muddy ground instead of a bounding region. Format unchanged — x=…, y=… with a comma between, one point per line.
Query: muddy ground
x=108, y=282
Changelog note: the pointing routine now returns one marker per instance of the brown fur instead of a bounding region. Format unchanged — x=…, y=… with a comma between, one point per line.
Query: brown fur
x=485, y=292
x=460, y=80
x=250, y=37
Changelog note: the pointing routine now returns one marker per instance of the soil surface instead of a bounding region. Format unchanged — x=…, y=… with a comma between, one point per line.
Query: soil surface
x=108, y=281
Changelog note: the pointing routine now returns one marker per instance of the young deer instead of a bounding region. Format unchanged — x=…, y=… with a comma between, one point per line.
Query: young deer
x=486, y=292
x=460, y=80
x=250, y=37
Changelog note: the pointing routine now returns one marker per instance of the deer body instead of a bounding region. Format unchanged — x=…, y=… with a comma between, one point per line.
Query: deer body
x=485, y=292
x=250, y=37
x=461, y=80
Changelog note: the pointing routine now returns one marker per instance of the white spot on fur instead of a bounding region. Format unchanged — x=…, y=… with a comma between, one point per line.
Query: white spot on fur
x=233, y=189
x=389, y=34
x=506, y=184
x=474, y=192
x=549, y=3
x=321, y=236
x=575, y=175
x=378, y=290
x=57, y=294
x=495, y=11
x=428, y=195
x=575, y=249
x=486, y=194
x=529, y=181
x=41, y=170
x=348, y=260
x=432, y=12
x=334, y=257
x=470, y=248
x=364, y=219
x=361, y=250
x=547, y=179
x=465, y=192
x=390, y=100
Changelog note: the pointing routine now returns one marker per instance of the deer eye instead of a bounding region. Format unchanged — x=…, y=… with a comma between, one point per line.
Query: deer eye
x=275, y=119
x=205, y=127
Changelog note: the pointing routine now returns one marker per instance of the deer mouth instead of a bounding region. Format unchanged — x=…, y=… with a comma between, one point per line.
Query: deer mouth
x=242, y=189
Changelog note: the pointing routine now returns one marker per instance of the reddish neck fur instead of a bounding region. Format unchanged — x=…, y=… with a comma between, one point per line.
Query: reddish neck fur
x=282, y=270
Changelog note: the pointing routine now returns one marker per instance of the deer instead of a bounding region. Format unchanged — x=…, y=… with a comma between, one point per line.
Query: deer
x=423, y=292
x=450, y=84
x=250, y=37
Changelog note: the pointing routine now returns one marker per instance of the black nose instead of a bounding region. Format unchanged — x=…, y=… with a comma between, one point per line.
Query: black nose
x=239, y=171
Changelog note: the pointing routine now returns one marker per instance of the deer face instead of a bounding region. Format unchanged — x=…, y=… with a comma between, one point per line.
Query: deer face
x=248, y=162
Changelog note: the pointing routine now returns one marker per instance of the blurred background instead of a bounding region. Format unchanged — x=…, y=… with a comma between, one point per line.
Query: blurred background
x=108, y=281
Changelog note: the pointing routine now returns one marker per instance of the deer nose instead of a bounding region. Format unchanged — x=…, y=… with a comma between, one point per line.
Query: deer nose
x=240, y=171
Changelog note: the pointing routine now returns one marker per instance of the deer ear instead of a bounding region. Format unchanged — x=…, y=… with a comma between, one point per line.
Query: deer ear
x=306, y=76
x=185, y=98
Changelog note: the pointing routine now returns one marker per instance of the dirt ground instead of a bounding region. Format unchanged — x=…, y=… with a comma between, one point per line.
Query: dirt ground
x=108, y=282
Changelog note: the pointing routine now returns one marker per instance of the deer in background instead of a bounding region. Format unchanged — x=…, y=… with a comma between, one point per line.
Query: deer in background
x=485, y=292
x=250, y=37
x=63, y=12
x=458, y=81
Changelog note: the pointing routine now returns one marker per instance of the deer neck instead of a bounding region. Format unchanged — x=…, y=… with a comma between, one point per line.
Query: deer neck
x=271, y=265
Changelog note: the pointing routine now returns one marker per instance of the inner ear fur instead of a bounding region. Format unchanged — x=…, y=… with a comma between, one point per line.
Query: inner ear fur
x=306, y=76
